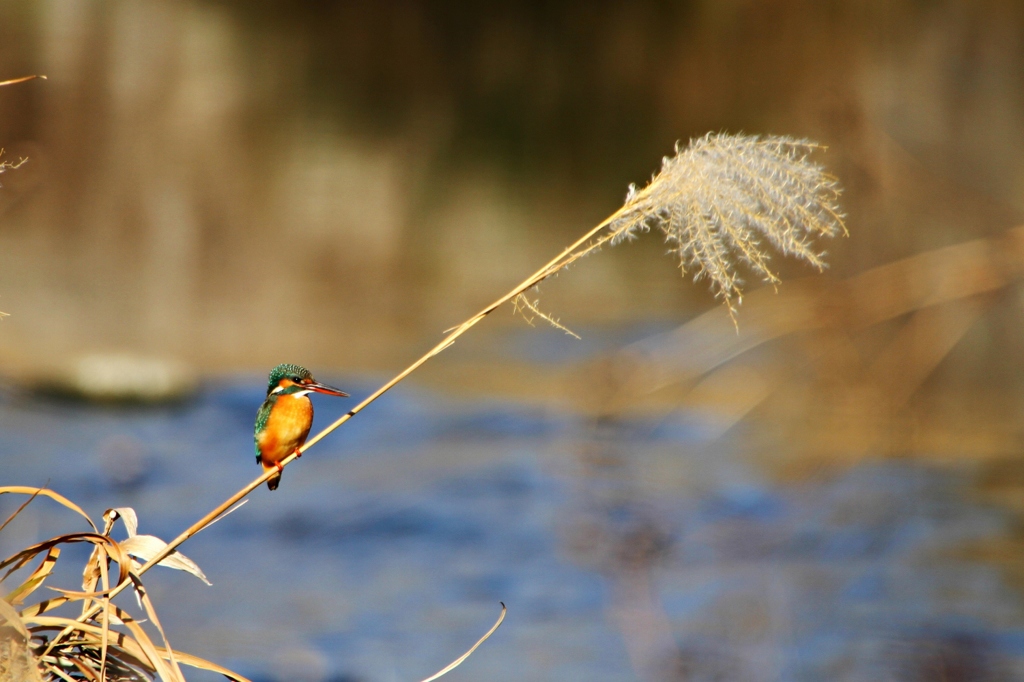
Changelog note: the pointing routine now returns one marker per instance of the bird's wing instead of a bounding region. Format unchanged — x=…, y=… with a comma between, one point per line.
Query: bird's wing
x=261, y=422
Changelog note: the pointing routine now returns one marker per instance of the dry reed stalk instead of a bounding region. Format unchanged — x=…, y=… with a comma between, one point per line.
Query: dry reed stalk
x=719, y=196
x=7, y=165
x=715, y=202
x=14, y=81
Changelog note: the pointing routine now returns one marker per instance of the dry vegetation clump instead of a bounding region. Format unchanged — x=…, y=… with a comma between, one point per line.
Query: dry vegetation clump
x=103, y=642
x=110, y=644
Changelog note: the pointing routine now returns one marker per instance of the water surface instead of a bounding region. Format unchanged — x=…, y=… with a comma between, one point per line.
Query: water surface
x=623, y=549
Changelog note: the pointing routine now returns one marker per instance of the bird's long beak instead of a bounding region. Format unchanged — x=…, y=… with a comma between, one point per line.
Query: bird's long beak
x=327, y=390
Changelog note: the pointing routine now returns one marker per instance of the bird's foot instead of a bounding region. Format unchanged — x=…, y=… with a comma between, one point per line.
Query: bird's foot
x=280, y=467
x=298, y=452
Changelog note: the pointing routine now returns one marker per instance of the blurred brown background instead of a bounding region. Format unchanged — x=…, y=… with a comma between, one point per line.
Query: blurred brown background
x=233, y=183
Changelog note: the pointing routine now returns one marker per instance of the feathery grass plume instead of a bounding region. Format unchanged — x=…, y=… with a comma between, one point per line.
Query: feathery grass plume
x=721, y=198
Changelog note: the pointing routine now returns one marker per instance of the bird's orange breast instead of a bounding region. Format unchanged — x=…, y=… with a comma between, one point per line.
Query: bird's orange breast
x=286, y=428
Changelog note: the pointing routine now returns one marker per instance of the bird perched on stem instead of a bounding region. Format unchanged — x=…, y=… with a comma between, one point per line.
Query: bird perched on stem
x=284, y=418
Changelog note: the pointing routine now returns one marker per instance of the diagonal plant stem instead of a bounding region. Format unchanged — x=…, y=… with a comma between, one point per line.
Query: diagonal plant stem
x=715, y=201
x=15, y=81
x=571, y=253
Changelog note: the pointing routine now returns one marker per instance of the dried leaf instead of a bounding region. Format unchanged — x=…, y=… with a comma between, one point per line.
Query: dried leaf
x=146, y=547
x=127, y=516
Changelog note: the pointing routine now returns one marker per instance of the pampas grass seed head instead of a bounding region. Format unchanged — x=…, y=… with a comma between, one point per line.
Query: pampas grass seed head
x=722, y=197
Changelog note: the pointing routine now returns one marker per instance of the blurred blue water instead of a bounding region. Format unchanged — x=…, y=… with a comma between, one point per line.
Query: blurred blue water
x=387, y=549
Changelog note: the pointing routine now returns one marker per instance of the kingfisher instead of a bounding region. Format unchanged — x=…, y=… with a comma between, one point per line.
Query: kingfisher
x=284, y=418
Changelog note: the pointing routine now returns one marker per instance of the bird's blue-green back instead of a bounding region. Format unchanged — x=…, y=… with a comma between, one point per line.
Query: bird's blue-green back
x=261, y=421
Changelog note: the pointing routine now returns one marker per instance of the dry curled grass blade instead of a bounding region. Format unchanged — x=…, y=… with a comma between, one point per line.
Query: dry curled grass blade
x=18, y=560
x=18, y=511
x=105, y=620
x=44, y=606
x=91, y=573
x=201, y=664
x=458, y=661
x=46, y=492
x=139, y=635
x=41, y=624
x=111, y=548
x=147, y=605
x=19, y=593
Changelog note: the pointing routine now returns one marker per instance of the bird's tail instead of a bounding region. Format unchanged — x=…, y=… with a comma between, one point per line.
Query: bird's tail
x=274, y=480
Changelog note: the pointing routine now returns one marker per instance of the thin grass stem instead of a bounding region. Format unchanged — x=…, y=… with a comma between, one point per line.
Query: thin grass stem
x=712, y=201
